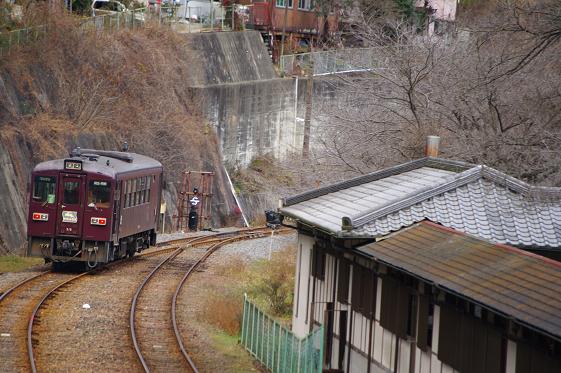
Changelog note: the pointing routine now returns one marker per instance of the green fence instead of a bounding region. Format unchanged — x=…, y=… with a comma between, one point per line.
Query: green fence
x=278, y=348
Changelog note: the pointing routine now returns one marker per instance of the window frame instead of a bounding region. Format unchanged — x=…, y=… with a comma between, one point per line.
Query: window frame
x=308, y=5
x=108, y=185
x=343, y=281
x=290, y=4
x=76, y=190
x=364, y=290
x=52, y=183
x=318, y=263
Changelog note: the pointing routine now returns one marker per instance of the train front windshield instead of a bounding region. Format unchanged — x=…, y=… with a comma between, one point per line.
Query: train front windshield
x=44, y=189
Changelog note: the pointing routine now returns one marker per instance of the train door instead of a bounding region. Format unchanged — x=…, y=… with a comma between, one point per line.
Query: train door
x=71, y=193
x=116, y=211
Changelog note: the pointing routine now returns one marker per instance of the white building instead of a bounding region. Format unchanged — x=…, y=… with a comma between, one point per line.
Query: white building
x=398, y=294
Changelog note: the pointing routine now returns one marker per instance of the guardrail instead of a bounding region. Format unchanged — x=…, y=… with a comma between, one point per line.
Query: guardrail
x=278, y=348
x=334, y=61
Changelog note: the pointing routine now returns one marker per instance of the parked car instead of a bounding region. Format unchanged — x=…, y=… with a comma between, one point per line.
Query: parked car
x=100, y=7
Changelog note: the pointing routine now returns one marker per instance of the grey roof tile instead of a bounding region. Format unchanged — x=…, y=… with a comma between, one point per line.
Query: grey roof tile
x=476, y=200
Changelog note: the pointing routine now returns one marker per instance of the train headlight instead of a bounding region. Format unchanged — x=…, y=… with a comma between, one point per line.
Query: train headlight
x=99, y=221
x=38, y=216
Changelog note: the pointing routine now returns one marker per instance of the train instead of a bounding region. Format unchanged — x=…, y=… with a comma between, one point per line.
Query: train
x=93, y=207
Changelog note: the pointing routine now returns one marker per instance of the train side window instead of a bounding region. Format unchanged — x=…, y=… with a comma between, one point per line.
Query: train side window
x=142, y=189
x=126, y=193
x=137, y=193
x=148, y=185
x=136, y=186
x=99, y=194
x=133, y=192
x=44, y=189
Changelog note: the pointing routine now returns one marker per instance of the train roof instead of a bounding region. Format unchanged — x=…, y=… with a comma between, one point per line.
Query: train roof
x=103, y=162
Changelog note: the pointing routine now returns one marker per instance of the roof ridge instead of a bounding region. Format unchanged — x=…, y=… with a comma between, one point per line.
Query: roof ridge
x=417, y=196
x=518, y=185
x=377, y=175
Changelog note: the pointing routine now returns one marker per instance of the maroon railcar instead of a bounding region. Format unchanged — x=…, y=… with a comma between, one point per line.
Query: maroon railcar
x=94, y=207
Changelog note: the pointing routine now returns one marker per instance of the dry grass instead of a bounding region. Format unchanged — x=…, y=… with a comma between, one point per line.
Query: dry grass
x=269, y=283
x=224, y=310
x=15, y=263
x=130, y=85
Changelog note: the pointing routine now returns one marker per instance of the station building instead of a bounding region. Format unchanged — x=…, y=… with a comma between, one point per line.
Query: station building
x=430, y=266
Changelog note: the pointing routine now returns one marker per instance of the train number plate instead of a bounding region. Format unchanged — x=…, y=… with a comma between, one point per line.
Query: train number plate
x=70, y=217
x=72, y=165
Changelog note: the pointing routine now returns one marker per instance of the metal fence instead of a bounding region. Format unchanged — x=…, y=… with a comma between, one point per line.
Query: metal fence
x=189, y=19
x=334, y=61
x=115, y=21
x=278, y=348
x=10, y=39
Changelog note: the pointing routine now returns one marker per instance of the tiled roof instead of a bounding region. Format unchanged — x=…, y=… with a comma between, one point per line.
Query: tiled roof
x=473, y=199
x=520, y=285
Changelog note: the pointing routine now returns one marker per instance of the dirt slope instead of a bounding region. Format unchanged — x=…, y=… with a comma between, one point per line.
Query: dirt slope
x=98, y=90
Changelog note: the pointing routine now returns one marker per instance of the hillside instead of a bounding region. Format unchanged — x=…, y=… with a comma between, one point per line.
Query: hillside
x=97, y=90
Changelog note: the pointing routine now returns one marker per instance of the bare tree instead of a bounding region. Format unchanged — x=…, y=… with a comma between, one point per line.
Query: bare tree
x=493, y=95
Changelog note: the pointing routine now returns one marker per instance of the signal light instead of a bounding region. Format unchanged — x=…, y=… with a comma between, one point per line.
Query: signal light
x=38, y=216
x=99, y=221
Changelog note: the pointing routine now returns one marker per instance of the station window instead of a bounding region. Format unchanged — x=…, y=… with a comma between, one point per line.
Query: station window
x=318, y=263
x=343, y=281
x=44, y=189
x=99, y=194
x=282, y=3
x=396, y=311
x=363, y=293
x=304, y=4
x=71, y=194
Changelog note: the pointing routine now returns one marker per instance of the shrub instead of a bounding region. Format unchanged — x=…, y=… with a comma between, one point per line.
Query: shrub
x=271, y=283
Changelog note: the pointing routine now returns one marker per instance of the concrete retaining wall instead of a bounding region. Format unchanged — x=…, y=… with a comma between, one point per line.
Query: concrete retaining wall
x=230, y=57
x=254, y=112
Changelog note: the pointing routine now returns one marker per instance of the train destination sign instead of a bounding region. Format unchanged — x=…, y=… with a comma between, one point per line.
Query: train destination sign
x=73, y=165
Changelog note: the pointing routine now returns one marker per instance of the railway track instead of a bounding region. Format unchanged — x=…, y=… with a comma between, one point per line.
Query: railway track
x=21, y=304
x=17, y=306
x=154, y=329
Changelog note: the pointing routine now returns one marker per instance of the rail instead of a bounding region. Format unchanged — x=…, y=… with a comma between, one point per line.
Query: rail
x=216, y=241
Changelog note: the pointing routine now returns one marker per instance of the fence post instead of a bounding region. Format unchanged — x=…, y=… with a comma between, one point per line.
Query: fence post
x=252, y=327
x=244, y=325
x=273, y=347
x=320, y=333
x=262, y=333
x=279, y=348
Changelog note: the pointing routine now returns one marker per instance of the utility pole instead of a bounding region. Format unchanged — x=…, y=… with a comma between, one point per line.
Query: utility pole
x=308, y=114
x=283, y=32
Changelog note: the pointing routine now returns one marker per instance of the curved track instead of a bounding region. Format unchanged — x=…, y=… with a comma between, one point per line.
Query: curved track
x=16, y=306
x=20, y=304
x=160, y=352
